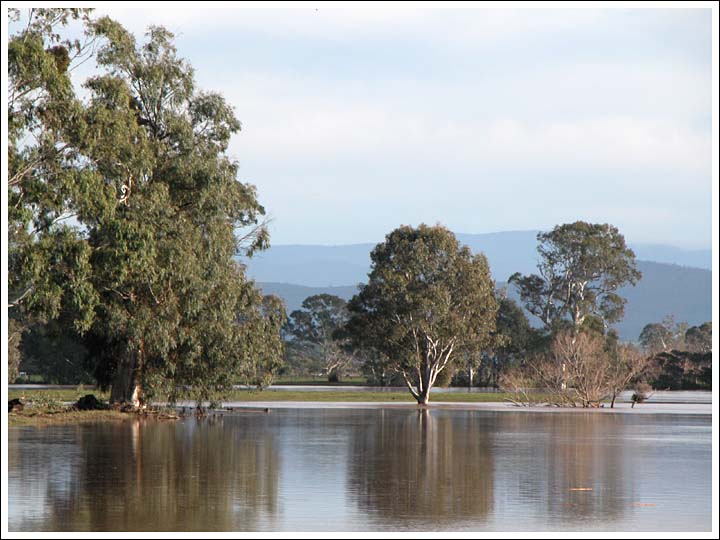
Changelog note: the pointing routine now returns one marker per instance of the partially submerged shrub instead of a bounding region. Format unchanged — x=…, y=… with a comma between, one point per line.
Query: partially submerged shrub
x=579, y=370
x=642, y=393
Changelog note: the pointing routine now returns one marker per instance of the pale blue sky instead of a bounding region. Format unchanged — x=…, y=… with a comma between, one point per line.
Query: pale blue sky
x=357, y=121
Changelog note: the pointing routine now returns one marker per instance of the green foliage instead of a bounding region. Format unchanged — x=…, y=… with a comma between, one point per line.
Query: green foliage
x=581, y=266
x=378, y=369
x=55, y=355
x=315, y=332
x=426, y=302
x=15, y=330
x=682, y=356
x=663, y=336
x=145, y=274
x=319, y=318
x=699, y=338
x=682, y=370
x=48, y=174
x=513, y=340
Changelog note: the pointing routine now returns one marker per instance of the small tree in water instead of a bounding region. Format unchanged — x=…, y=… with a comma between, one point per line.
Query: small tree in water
x=427, y=301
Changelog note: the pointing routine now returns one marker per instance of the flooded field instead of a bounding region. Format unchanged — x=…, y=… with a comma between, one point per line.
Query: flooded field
x=361, y=469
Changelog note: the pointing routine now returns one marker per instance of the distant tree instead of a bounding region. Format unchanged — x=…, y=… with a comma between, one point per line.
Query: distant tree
x=681, y=357
x=663, y=336
x=316, y=326
x=261, y=346
x=581, y=267
x=682, y=370
x=377, y=368
x=699, y=338
x=513, y=339
x=517, y=336
x=427, y=302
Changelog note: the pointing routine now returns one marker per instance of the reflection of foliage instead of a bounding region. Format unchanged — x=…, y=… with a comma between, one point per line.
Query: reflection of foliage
x=149, y=475
x=434, y=470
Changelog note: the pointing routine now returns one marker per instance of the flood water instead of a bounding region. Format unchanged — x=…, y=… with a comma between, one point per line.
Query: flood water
x=366, y=470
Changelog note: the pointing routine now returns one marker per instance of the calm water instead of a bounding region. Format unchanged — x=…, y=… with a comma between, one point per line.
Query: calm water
x=347, y=469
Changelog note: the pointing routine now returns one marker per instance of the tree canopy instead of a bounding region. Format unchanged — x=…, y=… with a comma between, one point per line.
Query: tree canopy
x=316, y=327
x=426, y=301
x=580, y=269
x=124, y=208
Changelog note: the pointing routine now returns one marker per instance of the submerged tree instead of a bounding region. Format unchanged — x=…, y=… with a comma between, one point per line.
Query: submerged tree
x=627, y=365
x=581, y=267
x=145, y=270
x=427, y=301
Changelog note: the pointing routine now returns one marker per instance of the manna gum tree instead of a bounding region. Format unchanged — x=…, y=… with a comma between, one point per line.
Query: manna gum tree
x=427, y=301
x=145, y=270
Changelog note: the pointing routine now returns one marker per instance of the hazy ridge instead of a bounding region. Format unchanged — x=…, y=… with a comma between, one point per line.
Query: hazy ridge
x=675, y=281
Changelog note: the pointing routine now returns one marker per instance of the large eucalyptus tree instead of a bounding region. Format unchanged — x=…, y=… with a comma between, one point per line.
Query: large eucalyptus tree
x=145, y=269
x=427, y=301
x=580, y=269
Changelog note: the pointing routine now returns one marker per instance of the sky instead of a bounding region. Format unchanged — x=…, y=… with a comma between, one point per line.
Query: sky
x=356, y=121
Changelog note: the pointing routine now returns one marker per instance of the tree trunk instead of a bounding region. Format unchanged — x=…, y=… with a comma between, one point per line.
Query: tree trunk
x=612, y=402
x=471, y=373
x=424, y=397
x=126, y=383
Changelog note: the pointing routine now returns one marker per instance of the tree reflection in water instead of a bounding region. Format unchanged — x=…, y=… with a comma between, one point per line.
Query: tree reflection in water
x=422, y=469
x=366, y=469
x=564, y=468
x=148, y=475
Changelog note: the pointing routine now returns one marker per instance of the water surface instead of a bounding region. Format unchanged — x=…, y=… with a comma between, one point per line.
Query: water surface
x=364, y=470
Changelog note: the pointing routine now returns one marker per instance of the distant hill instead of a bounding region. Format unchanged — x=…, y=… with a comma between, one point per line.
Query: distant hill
x=697, y=258
x=313, y=266
x=507, y=252
x=295, y=294
x=664, y=290
x=296, y=272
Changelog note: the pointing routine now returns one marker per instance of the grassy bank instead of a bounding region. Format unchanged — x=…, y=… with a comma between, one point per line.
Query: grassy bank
x=44, y=411
x=63, y=394
x=320, y=381
x=39, y=417
x=67, y=395
x=340, y=396
x=48, y=407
